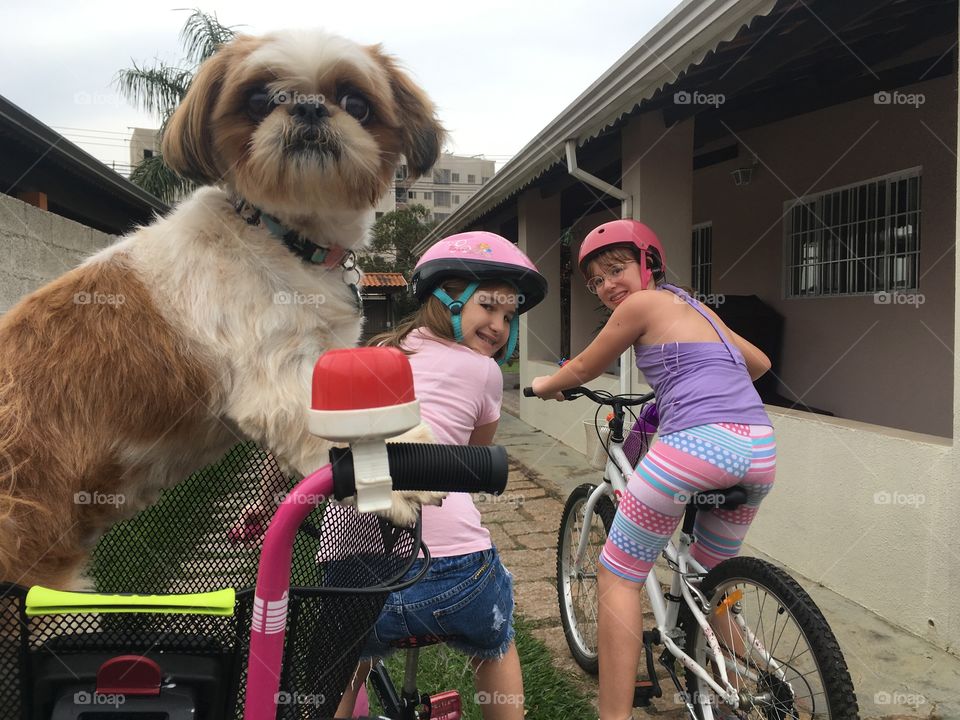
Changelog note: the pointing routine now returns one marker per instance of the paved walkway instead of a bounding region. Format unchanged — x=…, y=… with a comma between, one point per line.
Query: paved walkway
x=896, y=675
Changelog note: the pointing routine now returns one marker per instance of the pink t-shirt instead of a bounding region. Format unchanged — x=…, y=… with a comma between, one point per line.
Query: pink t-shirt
x=459, y=390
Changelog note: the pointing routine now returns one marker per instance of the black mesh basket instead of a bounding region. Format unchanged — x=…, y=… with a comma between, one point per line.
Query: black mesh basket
x=344, y=565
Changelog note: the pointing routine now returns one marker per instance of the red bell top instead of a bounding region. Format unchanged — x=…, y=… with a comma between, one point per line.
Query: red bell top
x=362, y=378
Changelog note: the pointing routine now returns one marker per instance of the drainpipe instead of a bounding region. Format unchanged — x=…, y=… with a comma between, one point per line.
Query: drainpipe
x=626, y=212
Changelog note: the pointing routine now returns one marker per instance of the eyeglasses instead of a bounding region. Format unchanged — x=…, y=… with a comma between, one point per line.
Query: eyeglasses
x=614, y=273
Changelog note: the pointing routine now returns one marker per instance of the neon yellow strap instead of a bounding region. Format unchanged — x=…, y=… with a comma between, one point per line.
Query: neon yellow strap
x=44, y=601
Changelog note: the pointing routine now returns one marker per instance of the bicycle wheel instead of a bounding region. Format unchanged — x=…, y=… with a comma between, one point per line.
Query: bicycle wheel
x=794, y=670
x=577, y=591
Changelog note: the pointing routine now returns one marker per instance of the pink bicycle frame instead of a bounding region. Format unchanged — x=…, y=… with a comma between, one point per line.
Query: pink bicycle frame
x=269, y=623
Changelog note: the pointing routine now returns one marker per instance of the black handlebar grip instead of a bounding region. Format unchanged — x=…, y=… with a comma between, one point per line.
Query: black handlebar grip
x=528, y=392
x=441, y=468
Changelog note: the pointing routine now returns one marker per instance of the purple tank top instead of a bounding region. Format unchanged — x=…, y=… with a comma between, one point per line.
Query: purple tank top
x=698, y=383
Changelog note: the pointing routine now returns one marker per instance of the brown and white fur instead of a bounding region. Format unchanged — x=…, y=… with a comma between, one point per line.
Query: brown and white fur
x=155, y=355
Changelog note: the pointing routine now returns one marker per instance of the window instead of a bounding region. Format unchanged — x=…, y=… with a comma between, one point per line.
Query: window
x=401, y=172
x=441, y=177
x=147, y=154
x=441, y=198
x=378, y=215
x=483, y=181
x=702, y=257
x=456, y=199
x=401, y=195
x=856, y=240
x=472, y=179
x=428, y=196
x=412, y=194
x=455, y=177
x=441, y=216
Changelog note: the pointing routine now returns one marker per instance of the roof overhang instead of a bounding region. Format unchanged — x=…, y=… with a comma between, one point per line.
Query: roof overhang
x=682, y=39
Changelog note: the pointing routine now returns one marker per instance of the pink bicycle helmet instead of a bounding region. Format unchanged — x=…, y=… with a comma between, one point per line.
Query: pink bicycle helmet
x=477, y=257
x=624, y=232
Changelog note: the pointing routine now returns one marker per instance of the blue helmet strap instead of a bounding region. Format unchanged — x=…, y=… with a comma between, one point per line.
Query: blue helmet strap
x=456, y=307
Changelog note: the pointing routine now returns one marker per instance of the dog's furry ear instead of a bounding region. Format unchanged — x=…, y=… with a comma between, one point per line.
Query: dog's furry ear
x=421, y=132
x=188, y=147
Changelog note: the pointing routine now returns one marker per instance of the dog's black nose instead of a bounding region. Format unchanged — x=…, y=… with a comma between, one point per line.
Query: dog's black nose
x=311, y=113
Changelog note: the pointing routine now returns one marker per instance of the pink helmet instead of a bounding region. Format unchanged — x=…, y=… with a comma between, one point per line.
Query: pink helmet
x=620, y=232
x=478, y=256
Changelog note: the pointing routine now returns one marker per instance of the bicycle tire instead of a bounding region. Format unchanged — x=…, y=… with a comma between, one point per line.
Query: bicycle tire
x=579, y=629
x=793, y=603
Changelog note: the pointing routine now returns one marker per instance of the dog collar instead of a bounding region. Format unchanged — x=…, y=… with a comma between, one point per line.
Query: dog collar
x=307, y=250
x=300, y=246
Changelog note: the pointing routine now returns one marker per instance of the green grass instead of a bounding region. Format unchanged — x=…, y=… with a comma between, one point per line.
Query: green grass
x=549, y=693
x=511, y=367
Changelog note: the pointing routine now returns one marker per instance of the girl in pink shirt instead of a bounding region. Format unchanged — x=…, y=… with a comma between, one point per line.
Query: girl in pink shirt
x=472, y=286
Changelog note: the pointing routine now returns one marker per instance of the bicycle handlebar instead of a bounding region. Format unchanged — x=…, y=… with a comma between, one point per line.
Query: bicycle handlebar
x=601, y=399
x=442, y=468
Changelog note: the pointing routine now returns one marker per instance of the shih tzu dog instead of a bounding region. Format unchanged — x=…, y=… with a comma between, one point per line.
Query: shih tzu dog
x=154, y=356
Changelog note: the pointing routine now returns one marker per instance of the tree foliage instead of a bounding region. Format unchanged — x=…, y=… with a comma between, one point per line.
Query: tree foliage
x=159, y=88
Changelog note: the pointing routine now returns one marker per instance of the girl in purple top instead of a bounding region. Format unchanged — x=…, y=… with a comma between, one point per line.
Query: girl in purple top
x=714, y=432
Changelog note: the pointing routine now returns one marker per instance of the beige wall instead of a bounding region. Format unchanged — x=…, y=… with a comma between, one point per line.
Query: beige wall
x=38, y=246
x=848, y=355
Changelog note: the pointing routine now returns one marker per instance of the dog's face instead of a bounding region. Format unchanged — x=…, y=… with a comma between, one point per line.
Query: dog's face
x=302, y=121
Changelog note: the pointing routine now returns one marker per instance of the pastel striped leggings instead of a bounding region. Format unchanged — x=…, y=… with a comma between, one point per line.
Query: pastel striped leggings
x=707, y=457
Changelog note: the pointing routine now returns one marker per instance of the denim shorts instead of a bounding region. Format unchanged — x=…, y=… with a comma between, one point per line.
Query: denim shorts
x=468, y=598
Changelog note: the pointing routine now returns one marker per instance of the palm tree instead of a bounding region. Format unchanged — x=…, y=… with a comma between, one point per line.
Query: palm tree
x=158, y=89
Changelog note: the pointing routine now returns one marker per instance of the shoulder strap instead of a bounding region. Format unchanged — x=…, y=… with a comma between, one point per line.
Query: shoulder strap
x=695, y=304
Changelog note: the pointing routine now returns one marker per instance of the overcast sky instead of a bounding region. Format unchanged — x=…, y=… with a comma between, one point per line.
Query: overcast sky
x=499, y=71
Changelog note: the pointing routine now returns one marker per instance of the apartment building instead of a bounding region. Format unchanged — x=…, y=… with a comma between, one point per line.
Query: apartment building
x=453, y=180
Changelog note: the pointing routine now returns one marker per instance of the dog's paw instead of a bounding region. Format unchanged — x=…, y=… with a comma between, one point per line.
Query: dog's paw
x=406, y=506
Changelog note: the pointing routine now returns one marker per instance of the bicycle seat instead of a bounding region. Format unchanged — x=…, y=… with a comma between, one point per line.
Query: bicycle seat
x=725, y=498
x=422, y=641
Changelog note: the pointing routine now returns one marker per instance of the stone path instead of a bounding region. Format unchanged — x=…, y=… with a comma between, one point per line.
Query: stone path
x=524, y=523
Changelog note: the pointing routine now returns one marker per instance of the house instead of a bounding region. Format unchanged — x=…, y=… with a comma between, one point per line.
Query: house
x=379, y=291
x=798, y=159
x=59, y=204
x=453, y=180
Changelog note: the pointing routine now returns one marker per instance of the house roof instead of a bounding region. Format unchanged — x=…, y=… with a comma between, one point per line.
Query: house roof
x=681, y=40
x=383, y=280
x=78, y=186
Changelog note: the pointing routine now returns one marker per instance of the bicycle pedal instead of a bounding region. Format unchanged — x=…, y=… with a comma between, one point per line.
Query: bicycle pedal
x=643, y=692
x=445, y=706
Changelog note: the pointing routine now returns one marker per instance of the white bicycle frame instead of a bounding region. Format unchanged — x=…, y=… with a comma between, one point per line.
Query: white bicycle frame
x=685, y=572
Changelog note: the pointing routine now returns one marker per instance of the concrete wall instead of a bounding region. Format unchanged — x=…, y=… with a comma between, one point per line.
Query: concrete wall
x=848, y=355
x=37, y=246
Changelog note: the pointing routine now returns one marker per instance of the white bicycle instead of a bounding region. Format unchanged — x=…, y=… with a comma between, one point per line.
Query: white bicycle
x=751, y=642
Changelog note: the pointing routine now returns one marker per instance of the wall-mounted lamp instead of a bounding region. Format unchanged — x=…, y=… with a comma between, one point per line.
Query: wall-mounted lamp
x=743, y=175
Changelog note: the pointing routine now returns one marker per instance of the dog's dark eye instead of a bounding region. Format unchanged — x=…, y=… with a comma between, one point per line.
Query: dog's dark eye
x=357, y=106
x=259, y=104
